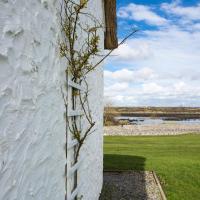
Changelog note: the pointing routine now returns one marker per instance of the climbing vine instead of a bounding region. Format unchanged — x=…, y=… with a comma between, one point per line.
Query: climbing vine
x=79, y=52
x=79, y=46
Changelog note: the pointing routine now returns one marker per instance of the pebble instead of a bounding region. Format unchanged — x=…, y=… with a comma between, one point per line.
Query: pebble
x=134, y=185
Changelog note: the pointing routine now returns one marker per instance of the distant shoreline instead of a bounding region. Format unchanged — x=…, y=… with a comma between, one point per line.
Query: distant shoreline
x=178, y=116
x=155, y=112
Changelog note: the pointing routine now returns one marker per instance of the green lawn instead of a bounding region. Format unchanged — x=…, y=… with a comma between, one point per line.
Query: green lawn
x=175, y=159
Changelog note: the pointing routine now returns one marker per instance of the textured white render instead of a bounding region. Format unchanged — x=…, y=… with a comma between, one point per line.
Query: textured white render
x=32, y=123
x=91, y=170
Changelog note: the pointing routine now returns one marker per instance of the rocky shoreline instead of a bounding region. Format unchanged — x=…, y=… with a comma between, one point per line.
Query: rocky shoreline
x=168, y=128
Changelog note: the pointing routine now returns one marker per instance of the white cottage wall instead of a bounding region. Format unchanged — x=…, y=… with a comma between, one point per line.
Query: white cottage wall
x=32, y=123
x=94, y=148
x=90, y=173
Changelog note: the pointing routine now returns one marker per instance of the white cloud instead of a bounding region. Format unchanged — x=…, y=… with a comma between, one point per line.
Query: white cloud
x=169, y=77
x=162, y=66
x=126, y=51
x=141, y=13
x=174, y=53
x=152, y=93
x=190, y=12
x=196, y=27
x=117, y=87
x=151, y=88
x=126, y=75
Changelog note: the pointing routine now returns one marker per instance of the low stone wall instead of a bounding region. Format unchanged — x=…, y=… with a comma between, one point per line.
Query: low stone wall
x=155, y=129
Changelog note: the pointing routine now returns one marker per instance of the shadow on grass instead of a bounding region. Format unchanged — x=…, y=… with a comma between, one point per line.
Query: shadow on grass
x=120, y=183
x=123, y=162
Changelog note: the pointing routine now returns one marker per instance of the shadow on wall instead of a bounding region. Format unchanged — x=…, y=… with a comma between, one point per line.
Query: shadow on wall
x=120, y=183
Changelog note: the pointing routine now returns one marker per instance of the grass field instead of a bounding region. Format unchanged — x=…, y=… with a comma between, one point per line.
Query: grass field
x=175, y=159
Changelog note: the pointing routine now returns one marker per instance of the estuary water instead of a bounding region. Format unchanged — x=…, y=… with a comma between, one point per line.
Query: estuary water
x=161, y=120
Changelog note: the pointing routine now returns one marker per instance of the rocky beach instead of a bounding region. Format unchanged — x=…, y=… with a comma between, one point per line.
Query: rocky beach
x=166, y=128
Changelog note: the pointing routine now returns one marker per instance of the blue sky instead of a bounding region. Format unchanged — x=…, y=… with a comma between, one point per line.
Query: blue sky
x=160, y=65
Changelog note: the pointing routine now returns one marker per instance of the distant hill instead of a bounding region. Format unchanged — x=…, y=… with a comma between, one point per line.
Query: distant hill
x=177, y=112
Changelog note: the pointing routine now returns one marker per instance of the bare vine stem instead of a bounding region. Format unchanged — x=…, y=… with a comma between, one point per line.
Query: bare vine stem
x=108, y=54
x=79, y=59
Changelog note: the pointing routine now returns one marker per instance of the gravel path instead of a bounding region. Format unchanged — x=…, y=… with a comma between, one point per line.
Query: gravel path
x=154, y=129
x=132, y=185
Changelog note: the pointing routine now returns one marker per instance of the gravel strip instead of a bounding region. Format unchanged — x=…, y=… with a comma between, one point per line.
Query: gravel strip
x=154, y=129
x=134, y=185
